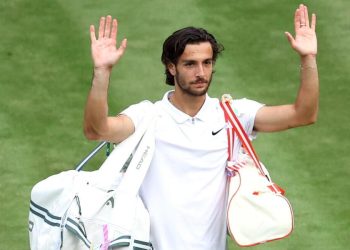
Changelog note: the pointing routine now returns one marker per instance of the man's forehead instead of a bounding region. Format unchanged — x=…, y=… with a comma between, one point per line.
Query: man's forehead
x=202, y=49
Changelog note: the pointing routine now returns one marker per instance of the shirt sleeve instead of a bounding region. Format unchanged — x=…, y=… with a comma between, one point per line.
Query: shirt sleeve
x=246, y=110
x=137, y=112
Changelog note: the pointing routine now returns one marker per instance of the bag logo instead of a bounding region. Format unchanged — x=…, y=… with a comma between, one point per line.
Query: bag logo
x=144, y=155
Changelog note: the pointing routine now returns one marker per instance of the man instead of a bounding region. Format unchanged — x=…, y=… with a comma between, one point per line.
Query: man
x=184, y=189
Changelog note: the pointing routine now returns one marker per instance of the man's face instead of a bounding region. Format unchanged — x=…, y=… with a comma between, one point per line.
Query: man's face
x=193, y=72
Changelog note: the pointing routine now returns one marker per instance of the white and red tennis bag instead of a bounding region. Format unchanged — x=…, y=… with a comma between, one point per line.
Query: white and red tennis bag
x=257, y=210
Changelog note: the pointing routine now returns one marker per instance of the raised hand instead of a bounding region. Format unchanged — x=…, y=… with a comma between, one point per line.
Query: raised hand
x=305, y=41
x=104, y=51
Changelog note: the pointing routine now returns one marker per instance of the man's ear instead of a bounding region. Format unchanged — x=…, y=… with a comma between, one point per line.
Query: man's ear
x=172, y=69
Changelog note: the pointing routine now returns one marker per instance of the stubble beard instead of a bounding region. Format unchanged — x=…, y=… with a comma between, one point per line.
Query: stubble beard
x=187, y=87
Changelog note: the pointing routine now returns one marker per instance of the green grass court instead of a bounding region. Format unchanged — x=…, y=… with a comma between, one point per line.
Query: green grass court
x=45, y=77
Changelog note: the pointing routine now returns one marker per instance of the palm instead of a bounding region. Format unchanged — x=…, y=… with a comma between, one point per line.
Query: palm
x=305, y=42
x=104, y=50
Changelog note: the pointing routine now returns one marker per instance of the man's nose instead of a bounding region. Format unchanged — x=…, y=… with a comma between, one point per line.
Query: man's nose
x=200, y=71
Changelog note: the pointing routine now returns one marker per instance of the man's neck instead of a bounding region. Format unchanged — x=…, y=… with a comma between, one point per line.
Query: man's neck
x=188, y=104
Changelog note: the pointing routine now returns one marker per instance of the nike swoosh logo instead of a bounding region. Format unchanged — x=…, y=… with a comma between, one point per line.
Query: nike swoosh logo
x=216, y=132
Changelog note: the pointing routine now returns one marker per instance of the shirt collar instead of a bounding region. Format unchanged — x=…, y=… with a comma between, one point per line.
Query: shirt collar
x=181, y=117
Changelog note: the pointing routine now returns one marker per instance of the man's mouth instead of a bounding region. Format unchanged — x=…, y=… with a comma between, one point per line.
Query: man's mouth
x=199, y=81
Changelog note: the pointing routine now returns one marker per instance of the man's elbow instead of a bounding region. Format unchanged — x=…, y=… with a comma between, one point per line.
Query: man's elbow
x=91, y=134
x=309, y=120
x=313, y=116
x=312, y=120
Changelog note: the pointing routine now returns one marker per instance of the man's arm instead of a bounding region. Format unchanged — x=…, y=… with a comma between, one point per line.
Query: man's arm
x=304, y=110
x=97, y=124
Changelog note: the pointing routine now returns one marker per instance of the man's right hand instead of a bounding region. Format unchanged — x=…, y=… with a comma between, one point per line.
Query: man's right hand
x=104, y=51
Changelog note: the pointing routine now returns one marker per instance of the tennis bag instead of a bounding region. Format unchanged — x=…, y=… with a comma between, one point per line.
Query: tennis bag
x=99, y=209
x=257, y=210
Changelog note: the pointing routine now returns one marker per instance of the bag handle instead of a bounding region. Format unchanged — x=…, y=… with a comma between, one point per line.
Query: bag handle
x=77, y=229
x=237, y=127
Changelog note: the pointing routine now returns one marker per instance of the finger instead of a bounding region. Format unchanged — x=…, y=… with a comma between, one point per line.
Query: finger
x=290, y=39
x=92, y=34
x=122, y=46
x=108, y=26
x=306, y=14
x=101, y=29
x=302, y=15
x=313, y=22
x=297, y=19
x=114, y=29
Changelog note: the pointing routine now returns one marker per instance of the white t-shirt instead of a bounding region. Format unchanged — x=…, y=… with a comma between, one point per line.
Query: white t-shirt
x=184, y=189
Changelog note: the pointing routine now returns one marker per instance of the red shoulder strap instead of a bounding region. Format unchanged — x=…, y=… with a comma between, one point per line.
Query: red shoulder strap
x=232, y=119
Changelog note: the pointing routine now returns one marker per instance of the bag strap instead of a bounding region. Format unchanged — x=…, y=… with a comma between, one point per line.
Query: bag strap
x=237, y=127
x=140, y=146
x=140, y=161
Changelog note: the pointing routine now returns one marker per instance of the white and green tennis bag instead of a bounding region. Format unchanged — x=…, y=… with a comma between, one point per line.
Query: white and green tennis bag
x=99, y=209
